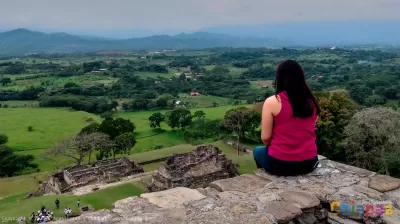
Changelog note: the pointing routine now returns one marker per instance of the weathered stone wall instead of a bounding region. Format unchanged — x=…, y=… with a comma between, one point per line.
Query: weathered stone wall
x=68, y=178
x=195, y=169
x=262, y=198
x=101, y=171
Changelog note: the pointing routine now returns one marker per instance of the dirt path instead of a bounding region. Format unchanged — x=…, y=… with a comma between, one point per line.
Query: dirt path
x=89, y=188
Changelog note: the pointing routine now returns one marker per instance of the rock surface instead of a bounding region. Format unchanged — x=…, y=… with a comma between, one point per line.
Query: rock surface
x=261, y=198
x=383, y=183
x=195, y=169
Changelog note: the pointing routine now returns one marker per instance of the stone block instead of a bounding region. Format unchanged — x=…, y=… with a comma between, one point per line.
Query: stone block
x=244, y=183
x=371, y=193
x=283, y=211
x=173, y=198
x=321, y=214
x=305, y=201
x=267, y=197
x=383, y=183
x=358, y=171
x=306, y=218
x=334, y=219
x=231, y=195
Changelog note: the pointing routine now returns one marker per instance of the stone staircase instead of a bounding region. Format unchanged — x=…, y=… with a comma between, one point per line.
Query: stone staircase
x=263, y=198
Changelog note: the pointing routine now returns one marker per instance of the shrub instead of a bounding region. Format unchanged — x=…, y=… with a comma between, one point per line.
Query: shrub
x=372, y=140
x=3, y=139
x=158, y=147
x=30, y=128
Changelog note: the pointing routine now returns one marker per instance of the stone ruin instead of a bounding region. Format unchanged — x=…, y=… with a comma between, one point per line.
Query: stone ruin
x=81, y=175
x=261, y=198
x=195, y=169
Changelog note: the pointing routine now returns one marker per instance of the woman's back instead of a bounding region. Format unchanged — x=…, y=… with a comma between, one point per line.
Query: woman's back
x=293, y=138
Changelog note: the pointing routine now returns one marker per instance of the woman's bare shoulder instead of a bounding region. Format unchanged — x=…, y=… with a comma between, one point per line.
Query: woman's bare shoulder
x=272, y=100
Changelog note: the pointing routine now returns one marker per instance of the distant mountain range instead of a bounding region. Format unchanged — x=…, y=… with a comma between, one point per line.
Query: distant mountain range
x=24, y=41
x=320, y=33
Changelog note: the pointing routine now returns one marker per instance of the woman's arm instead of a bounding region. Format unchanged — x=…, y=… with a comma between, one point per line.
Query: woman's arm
x=267, y=120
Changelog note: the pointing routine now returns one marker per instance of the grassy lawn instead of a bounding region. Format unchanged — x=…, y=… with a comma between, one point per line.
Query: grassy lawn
x=54, y=81
x=206, y=101
x=261, y=83
x=14, y=191
x=21, y=184
x=154, y=74
x=49, y=125
x=21, y=103
x=148, y=138
x=18, y=205
x=52, y=124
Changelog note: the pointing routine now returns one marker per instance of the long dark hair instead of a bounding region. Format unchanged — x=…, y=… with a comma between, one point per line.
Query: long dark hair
x=290, y=78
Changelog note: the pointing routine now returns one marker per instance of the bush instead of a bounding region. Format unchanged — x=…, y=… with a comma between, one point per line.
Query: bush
x=30, y=128
x=158, y=147
x=3, y=139
x=372, y=140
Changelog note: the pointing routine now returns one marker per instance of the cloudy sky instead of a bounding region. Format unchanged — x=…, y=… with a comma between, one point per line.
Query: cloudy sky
x=185, y=14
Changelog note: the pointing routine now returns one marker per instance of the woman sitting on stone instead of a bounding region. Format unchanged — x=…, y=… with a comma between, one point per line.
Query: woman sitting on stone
x=288, y=125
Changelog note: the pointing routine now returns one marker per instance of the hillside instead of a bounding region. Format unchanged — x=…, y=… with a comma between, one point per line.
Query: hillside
x=24, y=41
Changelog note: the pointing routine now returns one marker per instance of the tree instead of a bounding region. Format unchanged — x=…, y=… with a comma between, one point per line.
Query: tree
x=199, y=114
x=240, y=121
x=374, y=100
x=123, y=144
x=220, y=70
x=156, y=119
x=5, y=81
x=336, y=111
x=359, y=93
x=70, y=85
x=372, y=140
x=77, y=147
x=182, y=77
x=91, y=128
x=178, y=118
x=203, y=129
x=3, y=139
x=12, y=164
x=116, y=127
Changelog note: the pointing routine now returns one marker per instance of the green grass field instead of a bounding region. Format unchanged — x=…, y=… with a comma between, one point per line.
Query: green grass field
x=18, y=205
x=52, y=124
x=203, y=101
x=21, y=103
x=13, y=191
x=54, y=81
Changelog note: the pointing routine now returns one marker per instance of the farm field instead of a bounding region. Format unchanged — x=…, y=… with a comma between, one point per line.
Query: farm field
x=52, y=124
x=262, y=83
x=21, y=103
x=205, y=101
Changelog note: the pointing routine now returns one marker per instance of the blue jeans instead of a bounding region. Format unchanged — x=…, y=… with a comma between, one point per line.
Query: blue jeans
x=280, y=167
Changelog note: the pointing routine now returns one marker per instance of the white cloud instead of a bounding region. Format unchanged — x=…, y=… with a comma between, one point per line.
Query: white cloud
x=186, y=14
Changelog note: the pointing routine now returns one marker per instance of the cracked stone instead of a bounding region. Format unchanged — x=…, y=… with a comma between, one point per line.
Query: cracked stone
x=244, y=183
x=304, y=200
x=175, y=197
x=283, y=211
x=231, y=195
x=267, y=197
x=371, y=193
x=383, y=183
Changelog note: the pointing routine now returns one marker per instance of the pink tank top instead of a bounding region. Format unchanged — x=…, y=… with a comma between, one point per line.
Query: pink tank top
x=293, y=138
